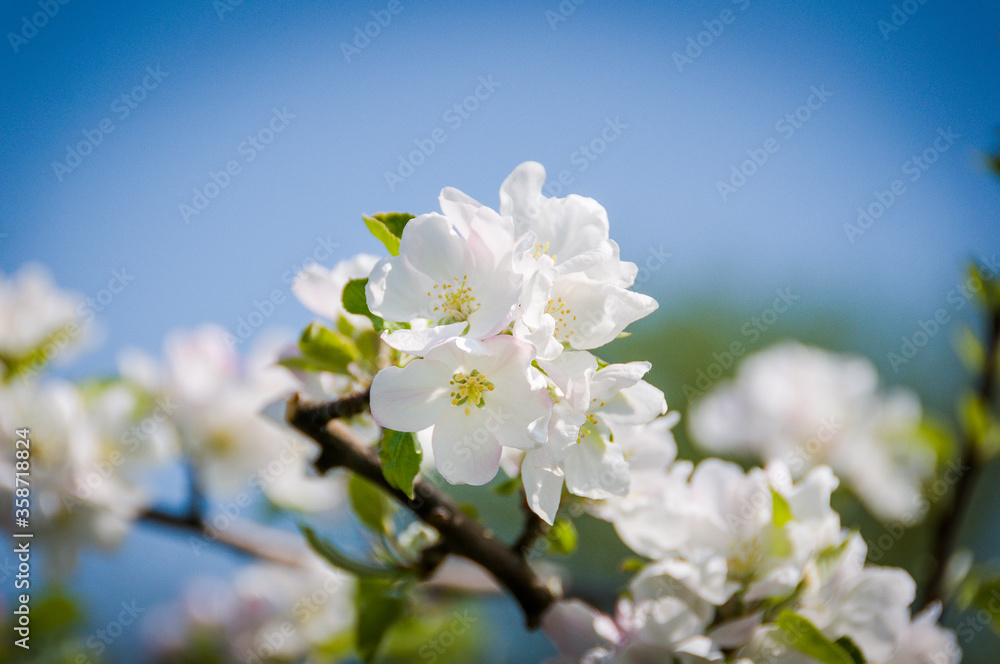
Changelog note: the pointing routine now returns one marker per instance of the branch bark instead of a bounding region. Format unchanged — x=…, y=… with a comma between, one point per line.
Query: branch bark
x=460, y=535
x=951, y=520
x=247, y=545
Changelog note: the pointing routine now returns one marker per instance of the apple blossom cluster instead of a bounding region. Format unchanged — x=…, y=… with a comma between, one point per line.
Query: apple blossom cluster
x=95, y=445
x=39, y=321
x=496, y=313
x=807, y=407
x=745, y=567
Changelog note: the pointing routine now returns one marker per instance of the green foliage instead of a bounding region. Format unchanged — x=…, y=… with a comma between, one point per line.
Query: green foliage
x=324, y=350
x=562, y=537
x=387, y=227
x=803, y=636
x=370, y=504
x=781, y=512
x=56, y=619
x=341, y=560
x=400, y=454
x=981, y=590
x=380, y=604
x=356, y=302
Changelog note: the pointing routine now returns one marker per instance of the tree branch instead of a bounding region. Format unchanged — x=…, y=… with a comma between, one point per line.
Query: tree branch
x=340, y=448
x=950, y=523
x=251, y=546
x=533, y=528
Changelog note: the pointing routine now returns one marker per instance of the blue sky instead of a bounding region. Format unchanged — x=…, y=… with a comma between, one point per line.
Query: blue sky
x=598, y=93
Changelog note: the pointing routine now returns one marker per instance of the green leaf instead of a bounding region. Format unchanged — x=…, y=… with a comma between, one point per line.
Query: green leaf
x=356, y=302
x=562, y=537
x=387, y=228
x=781, y=512
x=633, y=564
x=327, y=349
x=974, y=416
x=339, y=559
x=400, y=454
x=370, y=504
x=804, y=637
x=379, y=605
x=508, y=486
x=851, y=649
x=984, y=596
x=394, y=221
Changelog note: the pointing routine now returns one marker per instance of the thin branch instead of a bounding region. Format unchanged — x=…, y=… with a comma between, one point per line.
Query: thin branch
x=340, y=448
x=245, y=544
x=950, y=523
x=318, y=414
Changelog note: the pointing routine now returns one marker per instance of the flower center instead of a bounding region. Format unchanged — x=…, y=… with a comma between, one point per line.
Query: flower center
x=470, y=389
x=542, y=249
x=455, y=300
x=587, y=427
x=563, y=316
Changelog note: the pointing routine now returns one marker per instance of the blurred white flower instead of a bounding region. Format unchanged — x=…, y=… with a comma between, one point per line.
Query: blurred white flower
x=38, y=321
x=77, y=470
x=321, y=290
x=808, y=407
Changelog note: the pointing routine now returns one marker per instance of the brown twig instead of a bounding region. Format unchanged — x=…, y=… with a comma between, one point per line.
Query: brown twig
x=340, y=448
x=533, y=528
x=247, y=545
x=951, y=520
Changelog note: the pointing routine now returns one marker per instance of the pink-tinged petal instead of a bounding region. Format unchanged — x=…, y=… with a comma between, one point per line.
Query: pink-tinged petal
x=574, y=628
x=521, y=194
x=433, y=246
x=465, y=450
x=410, y=398
x=542, y=484
x=420, y=342
x=459, y=207
x=397, y=291
x=318, y=291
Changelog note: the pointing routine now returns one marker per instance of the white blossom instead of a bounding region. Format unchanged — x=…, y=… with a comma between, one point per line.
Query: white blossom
x=479, y=396
x=807, y=407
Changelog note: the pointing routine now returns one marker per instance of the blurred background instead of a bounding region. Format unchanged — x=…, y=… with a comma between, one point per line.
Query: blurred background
x=832, y=153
